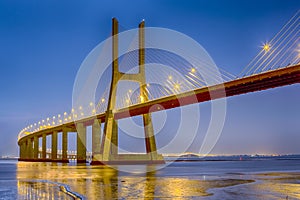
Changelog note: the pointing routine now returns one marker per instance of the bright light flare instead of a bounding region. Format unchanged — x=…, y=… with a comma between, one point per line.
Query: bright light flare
x=177, y=86
x=142, y=99
x=266, y=47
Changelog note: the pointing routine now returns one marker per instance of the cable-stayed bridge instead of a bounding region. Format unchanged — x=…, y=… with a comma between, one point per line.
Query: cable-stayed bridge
x=276, y=65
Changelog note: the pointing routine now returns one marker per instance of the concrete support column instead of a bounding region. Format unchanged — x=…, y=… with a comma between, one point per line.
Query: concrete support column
x=149, y=136
x=29, y=149
x=36, y=147
x=106, y=140
x=44, y=142
x=114, y=138
x=22, y=150
x=96, y=138
x=81, y=143
x=26, y=149
x=64, y=145
x=54, y=146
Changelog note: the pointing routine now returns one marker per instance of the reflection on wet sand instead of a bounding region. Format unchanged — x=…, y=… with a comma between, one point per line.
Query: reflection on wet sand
x=39, y=180
x=40, y=190
x=281, y=183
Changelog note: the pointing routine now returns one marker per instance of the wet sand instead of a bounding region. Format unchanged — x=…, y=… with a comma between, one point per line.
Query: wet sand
x=197, y=180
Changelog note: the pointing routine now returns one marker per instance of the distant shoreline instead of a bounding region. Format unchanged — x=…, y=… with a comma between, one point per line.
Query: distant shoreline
x=8, y=158
x=194, y=158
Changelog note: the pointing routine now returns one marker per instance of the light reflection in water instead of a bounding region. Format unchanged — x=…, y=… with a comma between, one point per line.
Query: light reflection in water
x=100, y=182
x=42, y=180
x=40, y=190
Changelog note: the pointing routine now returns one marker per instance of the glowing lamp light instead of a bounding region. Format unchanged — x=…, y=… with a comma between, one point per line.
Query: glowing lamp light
x=142, y=99
x=266, y=47
x=102, y=100
x=176, y=86
x=193, y=70
x=170, y=77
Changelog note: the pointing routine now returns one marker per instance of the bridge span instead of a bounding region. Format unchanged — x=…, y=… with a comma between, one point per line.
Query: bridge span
x=105, y=145
x=29, y=145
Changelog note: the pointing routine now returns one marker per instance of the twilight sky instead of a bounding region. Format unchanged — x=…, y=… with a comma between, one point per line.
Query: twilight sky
x=42, y=45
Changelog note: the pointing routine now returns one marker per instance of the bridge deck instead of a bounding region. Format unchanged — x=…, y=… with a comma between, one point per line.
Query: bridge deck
x=270, y=79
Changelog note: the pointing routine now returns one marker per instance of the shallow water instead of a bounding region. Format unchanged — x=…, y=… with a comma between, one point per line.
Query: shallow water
x=260, y=179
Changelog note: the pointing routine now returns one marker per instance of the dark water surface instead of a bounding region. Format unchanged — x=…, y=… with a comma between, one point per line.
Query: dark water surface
x=255, y=179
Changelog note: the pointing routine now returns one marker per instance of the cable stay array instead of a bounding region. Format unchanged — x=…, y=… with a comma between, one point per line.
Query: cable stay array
x=281, y=51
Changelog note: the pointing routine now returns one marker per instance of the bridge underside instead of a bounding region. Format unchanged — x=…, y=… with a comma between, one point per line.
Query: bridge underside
x=258, y=82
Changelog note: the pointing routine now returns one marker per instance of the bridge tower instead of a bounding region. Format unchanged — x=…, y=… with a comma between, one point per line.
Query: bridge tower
x=109, y=146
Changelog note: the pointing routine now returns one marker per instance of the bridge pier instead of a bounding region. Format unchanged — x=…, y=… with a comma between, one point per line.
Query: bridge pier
x=44, y=144
x=54, y=146
x=29, y=149
x=64, y=145
x=149, y=137
x=81, y=143
x=35, y=147
x=23, y=149
x=96, y=138
x=114, y=138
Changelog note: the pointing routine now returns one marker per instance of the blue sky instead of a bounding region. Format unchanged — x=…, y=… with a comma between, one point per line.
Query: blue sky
x=42, y=45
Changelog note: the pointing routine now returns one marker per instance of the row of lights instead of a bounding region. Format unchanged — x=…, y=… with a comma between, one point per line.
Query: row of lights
x=27, y=130
x=45, y=123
